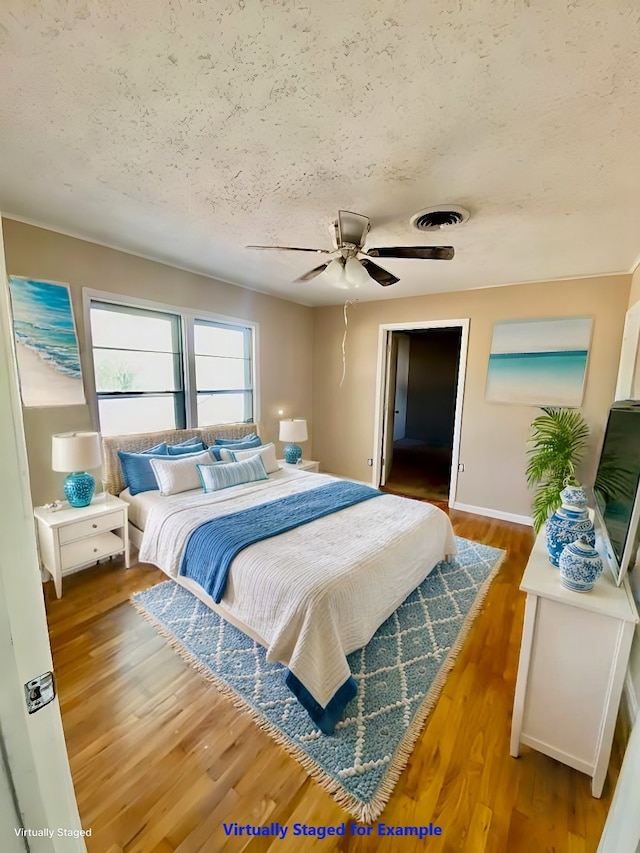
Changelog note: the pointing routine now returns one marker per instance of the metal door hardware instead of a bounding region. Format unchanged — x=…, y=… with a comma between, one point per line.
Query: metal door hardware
x=39, y=691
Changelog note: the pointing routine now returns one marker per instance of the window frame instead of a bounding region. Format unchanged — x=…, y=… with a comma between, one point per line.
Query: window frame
x=187, y=319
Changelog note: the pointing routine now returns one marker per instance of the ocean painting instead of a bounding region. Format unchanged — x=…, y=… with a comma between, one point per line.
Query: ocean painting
x=539, y=362
x=46, y=343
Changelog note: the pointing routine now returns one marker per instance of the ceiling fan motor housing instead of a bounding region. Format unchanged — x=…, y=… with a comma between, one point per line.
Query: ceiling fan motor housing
x=443, y=216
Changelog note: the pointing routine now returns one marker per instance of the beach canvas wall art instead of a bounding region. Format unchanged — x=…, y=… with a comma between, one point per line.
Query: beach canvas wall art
x=46, y=343
x=539, y=362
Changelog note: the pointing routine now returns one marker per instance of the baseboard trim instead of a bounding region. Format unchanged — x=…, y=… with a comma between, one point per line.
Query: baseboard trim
x=493, y=513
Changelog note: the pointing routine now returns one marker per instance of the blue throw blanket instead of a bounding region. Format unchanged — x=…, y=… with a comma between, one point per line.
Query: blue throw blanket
x=212, y=546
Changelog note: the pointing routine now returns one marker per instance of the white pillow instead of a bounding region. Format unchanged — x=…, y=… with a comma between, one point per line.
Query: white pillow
x=266, y=451
x=177, y=474
x=222, y=475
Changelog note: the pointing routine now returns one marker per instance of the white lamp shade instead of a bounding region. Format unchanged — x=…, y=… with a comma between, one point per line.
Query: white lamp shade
x=294, y=430
x=75, y=451
x=334, y=274
x=355, y=273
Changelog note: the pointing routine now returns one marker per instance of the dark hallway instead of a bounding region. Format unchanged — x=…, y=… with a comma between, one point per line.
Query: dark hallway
x=419, y=470
x=425, y=400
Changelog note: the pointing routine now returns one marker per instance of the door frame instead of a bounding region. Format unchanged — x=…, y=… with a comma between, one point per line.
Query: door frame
x=384, y=332
x=34, y=744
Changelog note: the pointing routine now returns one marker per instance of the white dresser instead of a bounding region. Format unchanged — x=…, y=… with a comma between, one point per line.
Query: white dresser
x=72, y=537
x=573, y=659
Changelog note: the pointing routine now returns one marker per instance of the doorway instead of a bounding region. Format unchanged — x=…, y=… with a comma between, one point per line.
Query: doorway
x=421, y=382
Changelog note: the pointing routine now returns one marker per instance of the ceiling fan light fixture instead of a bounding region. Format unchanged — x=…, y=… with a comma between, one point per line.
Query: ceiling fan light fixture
x=335, y=274
x=355, y=273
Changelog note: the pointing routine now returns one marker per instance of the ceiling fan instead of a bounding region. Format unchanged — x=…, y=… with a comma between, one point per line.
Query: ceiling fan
x=352, y=263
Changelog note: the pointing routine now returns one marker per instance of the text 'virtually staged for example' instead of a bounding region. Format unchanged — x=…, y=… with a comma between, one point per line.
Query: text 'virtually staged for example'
x=277, y=830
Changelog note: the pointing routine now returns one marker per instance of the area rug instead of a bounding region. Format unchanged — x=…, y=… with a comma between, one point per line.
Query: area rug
x=400, y=674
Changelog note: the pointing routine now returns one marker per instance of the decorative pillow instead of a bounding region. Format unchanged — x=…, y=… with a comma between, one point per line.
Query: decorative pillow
x=182, y=449
x=137, y=473
x=216, y=449
x=178, y=474
x=222, y=475
x=244, y=440
x=267, y=453
x=159, y=448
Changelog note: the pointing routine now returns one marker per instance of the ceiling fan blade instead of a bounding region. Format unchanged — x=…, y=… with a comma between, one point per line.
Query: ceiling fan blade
x=313, y=273
x=433, y=253
x=378, y=274
x=294, y=249
x=352, y=228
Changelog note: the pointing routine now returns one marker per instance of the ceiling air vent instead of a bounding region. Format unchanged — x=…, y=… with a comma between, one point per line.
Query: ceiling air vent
x=444, y=216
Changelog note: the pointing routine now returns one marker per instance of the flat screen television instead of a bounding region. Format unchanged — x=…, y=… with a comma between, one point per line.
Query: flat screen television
x=616, y=492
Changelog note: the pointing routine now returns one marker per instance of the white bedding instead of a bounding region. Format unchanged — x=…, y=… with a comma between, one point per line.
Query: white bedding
x=320, y=591
x=140, y=505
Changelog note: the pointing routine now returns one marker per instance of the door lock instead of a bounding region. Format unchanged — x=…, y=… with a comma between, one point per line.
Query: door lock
x=39, y=691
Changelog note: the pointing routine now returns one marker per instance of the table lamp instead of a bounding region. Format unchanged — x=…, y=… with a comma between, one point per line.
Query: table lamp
x=73, y=453
x=292, y=431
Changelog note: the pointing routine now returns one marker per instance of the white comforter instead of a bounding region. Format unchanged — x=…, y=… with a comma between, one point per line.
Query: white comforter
x=320, y=591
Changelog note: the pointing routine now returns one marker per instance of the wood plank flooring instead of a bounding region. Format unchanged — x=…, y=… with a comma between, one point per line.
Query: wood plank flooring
x=160, y=760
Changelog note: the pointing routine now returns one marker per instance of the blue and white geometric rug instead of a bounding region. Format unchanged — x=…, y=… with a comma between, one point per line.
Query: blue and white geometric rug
x=400, y=674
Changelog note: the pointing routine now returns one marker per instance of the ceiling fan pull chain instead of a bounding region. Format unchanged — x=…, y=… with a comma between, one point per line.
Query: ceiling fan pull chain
x=344, y=341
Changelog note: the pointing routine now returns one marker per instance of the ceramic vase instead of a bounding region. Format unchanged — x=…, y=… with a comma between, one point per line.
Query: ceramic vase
x=569, y=523
x=580, y=565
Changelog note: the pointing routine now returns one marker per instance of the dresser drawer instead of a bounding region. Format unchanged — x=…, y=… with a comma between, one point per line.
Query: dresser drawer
x=81, y=529
x=90, y=550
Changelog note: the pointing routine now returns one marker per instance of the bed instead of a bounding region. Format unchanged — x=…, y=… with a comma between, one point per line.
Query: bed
x=310, y=595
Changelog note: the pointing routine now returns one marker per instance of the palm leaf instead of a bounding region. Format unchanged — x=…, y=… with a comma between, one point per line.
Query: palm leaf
x=545, y=502
x=557, y=442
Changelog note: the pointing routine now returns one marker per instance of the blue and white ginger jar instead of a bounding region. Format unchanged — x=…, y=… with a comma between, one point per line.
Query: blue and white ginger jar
x=580, y=566
x=569, y=523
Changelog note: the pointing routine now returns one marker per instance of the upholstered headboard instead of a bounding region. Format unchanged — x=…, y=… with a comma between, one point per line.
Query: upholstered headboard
x=137, y=442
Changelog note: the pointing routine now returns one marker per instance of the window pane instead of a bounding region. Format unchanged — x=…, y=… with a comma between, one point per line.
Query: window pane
x=222, y=374
x=210, y=339
x=131, y=329
x=221, y=409
x=131, y=370
x=136, y=414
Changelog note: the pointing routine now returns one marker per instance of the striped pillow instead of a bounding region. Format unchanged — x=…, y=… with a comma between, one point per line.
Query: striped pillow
x=175, y=474
x=267, y=453
x=222, y=475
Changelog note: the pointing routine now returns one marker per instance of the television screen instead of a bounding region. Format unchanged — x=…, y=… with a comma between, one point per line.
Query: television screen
x=618, y=476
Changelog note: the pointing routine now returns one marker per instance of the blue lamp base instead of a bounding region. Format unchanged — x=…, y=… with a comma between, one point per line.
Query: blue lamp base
x=79, y=488
x=292, y=453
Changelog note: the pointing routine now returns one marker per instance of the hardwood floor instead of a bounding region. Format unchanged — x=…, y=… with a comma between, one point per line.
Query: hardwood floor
x=160, y=760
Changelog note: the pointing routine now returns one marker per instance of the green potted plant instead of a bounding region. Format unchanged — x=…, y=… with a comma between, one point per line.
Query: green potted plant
x=557, y=443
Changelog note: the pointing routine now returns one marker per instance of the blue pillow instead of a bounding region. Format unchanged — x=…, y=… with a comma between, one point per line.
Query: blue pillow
x=182, y=449
x=188, y=442
x=225, y=474
x=215, y=449
x=137, y=472
x=251, y=437
x=159, y=448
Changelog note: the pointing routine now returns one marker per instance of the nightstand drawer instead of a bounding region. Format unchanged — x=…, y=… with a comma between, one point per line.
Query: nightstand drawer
x=89, y=527
x=90, y=550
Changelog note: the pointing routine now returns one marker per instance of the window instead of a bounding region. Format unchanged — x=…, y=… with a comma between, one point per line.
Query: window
x=223, y=373
x=147, y=360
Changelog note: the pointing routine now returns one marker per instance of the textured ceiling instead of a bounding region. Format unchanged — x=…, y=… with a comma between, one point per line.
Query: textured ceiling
x=185, y=129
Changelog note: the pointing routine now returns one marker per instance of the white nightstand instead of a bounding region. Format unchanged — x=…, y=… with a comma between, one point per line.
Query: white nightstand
x=72, y=537
x=303, y=465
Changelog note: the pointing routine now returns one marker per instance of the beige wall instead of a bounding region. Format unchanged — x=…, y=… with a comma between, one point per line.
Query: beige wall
x=493, y=435
x=285, y=330
x=634, y=294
